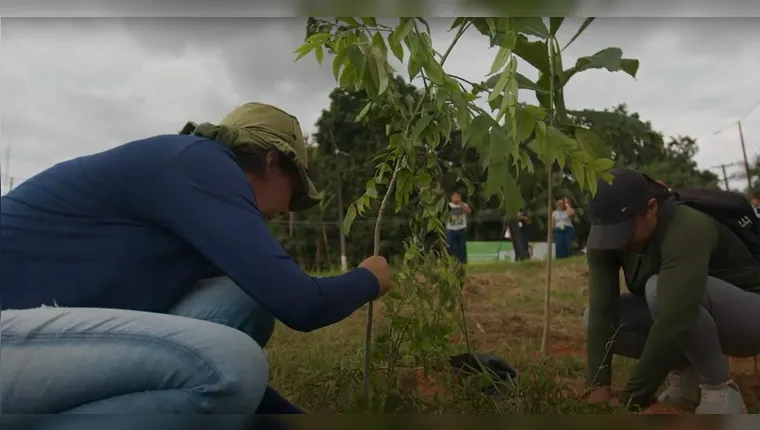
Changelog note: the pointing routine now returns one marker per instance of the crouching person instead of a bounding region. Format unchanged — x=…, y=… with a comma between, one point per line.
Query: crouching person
x=144, y=279
x=694, y=297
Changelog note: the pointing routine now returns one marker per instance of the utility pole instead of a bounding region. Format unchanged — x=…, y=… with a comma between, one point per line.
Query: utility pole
x=725, y=174
x=339, y=194
x=341, y=215
x=744, y=154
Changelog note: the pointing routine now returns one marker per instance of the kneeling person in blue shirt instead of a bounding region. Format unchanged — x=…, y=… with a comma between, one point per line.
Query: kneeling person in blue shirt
x=144, y=278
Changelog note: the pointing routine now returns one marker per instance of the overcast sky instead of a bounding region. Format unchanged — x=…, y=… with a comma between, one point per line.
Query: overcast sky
x=77, y=86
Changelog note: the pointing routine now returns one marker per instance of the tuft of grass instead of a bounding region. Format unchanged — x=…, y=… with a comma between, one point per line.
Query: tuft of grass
x=321, y=371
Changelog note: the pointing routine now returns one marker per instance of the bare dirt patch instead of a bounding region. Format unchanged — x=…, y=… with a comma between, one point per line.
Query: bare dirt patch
x=507, y=309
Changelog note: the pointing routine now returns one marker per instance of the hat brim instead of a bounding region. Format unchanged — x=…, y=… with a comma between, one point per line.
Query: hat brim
x=307, y=196
x=611, y=236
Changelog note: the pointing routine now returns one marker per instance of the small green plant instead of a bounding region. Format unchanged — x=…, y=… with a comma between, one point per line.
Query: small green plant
x=424, y=313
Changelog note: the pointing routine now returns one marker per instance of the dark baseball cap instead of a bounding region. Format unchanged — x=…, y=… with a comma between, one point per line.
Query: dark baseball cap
x=614, y=207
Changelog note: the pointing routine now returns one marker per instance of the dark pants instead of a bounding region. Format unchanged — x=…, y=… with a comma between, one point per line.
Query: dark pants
x=563, y=240
x=726, y=325
x=457, y=240
x=519, y=242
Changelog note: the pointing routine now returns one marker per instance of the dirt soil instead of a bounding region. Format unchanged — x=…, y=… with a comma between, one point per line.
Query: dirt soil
x=507, y=309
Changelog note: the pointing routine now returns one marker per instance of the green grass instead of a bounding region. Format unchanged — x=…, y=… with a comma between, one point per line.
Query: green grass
x=321, y=371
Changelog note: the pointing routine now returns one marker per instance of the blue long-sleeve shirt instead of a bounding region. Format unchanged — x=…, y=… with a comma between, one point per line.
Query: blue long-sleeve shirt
x=135, y=227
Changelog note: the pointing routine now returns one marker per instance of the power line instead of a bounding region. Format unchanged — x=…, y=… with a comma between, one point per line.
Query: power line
x=752, y=108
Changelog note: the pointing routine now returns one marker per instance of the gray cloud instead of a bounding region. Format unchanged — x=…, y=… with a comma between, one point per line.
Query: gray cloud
x=76, y=86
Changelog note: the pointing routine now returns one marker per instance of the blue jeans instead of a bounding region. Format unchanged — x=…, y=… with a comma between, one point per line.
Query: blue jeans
x=457, y=240
x=563, y=240
x=203, y=357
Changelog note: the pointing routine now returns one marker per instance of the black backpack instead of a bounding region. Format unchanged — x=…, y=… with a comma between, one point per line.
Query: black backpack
x=729, y=208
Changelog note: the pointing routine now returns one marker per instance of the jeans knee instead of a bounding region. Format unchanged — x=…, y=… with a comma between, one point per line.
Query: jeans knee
x=246, y=370
x=221, y=301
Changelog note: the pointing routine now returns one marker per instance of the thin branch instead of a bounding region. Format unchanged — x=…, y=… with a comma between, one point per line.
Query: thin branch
x=549, y=199
x=370, y=308
x=459, y=78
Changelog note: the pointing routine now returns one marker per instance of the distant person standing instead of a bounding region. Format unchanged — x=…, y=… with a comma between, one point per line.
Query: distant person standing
x=562, y=226
x=456, y=227
x=516, y=230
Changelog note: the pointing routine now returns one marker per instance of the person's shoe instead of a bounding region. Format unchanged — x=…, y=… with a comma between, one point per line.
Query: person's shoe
x=682, y=390
x=721, y=399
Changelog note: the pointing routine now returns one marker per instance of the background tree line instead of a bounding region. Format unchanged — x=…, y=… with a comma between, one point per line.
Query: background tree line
x=341, y=162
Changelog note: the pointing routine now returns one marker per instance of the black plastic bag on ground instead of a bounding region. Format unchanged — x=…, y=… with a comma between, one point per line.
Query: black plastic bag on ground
x=469, y=364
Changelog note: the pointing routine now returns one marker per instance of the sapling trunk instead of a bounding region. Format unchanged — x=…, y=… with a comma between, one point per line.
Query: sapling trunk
x=370, y=305
x=547, y=286
x=552, y=47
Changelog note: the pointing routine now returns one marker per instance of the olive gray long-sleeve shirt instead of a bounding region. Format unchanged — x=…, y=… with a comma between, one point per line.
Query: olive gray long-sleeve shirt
x=693, y=247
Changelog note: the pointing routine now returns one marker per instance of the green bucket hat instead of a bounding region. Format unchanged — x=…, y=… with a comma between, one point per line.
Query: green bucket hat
x=256, y=127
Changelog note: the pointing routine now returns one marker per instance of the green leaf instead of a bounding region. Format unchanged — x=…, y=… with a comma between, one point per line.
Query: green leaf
x=403, y=28
x=500, y=60
x=500, y=146
x=561, y=159
x=382, y=78
x=535, y=53
x=349, y=20
x=435, y=72
x=457, y=22
x=481, y=24
x=479, y=128
x=526, y=161
x=630, y=66
x=591, y=181
x=526, y=84
x=417, y=58
x=522, y=83
x=303, y=50
x=602, y=164
x=535, y=111
x=425, y=23
x=512, y=195
x=338, y=62
x=356, y=58
x=363, y=113
x=370, y=189
x=503, y=34
x=501, y=84
x=535, y=26
x=497, y=172
x=579, y=171
x=420, y=127
x=396, y=47
x=591, y=142
x=580, y=31
x=349, y=219
x=347, y=78
x=369, y=21
x=319, y=53
x=318, y=38
x=607, y=177
x=608, y=58
x=526, y=123
x=555, y=23
x=379, y=43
